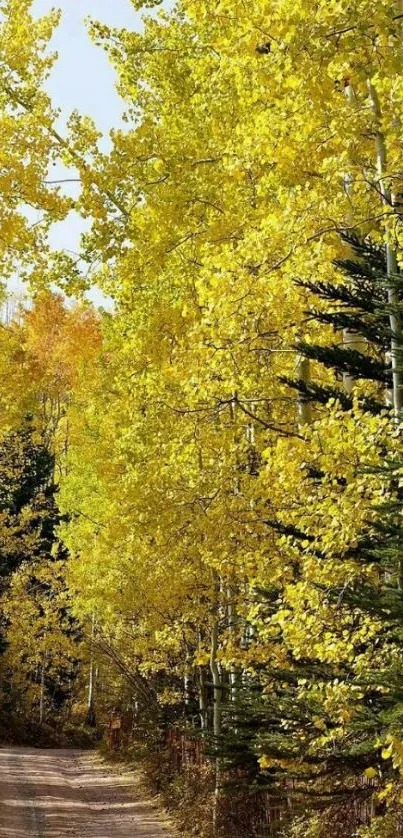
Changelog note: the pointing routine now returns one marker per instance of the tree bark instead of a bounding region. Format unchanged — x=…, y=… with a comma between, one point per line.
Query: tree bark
x=304, y=406
x=90, y=717
x=217, y=684
x=203, y=699
x=217, y=696
x=42, y=695
x=391, y=258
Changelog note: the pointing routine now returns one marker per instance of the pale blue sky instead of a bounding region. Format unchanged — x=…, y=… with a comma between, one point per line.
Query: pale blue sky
x=83, y=79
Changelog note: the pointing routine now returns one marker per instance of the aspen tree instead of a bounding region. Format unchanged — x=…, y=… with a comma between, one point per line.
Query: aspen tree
x=391, y=257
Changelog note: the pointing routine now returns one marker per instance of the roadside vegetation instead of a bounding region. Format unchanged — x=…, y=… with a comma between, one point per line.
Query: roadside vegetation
x=201, y=488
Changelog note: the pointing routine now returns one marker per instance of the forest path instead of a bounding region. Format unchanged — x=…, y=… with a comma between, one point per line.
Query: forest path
x=71, y=794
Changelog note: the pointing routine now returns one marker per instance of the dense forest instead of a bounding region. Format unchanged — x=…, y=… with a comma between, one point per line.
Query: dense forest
x=201, y=484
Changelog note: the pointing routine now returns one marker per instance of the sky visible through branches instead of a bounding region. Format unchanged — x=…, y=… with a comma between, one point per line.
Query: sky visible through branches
x=83, y=79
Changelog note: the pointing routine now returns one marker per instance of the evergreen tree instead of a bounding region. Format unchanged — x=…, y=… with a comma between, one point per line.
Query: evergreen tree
x=32, y=582
x=28, y=509
x=359, y=306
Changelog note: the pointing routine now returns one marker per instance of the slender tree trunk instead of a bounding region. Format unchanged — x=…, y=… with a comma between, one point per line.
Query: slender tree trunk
x=351, y=339
x=304, y=405
x=187, y=682
x=391, y=258
x=91, y=693
x=203, y=699
x=202, y=689
x=90, y=718
x=395, y=396
x=217, y=683
x=232, y=618
x=233, y=412
x=217, y=688
x=217, y=696
x=42, y=695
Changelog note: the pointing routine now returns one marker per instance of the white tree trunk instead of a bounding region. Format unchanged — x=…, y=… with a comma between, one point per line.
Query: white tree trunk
x=92, y=678
x=42, y=695
x=187, y=682
x=232, y=618
x=217, y=695
x=216, y=677
x=351, y=340
x=304, y=405
x=391, y=258
x=202, y=700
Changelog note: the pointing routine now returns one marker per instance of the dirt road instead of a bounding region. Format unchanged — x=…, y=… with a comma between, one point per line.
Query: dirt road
x=70, y=794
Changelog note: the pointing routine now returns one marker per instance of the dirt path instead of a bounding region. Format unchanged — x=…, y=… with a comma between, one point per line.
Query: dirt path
x=70, y=794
